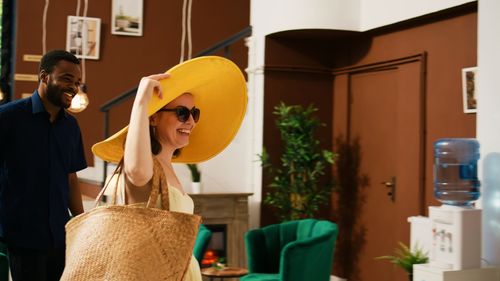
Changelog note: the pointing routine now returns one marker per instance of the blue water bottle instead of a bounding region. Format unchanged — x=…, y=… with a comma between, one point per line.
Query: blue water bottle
x=455, y=171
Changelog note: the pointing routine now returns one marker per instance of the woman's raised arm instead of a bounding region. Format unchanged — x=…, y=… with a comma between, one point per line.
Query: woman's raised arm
x=138, y=158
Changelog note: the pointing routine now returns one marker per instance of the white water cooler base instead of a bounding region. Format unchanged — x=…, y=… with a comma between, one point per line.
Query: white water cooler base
x=424, y=272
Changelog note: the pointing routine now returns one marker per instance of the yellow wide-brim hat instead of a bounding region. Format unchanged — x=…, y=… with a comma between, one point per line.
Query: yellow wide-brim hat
x=219, y=91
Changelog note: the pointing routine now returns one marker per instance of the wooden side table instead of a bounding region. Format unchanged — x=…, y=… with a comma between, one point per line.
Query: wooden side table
x=226, y=272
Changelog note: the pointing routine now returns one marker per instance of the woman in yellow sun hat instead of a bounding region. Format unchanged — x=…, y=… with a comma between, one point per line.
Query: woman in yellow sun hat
x=187, y=115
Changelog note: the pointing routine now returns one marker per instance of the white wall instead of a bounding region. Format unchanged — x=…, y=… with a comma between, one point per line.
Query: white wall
x=488, y=124
x=226, y=172
x=383, y=12
x=270, y=16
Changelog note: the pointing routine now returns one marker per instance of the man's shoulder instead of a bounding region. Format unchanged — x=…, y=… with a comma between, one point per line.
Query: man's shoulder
x=14, y=107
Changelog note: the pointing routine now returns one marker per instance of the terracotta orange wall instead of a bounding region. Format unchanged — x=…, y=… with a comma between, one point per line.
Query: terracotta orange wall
x=125, y=59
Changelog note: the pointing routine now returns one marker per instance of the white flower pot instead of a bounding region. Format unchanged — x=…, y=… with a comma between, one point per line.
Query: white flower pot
x=122, y=23
x=196, y=187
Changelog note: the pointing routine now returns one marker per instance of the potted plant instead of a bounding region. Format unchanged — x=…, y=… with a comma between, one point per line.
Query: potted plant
x=122, y=21
x=195, y=178
x=405, y=258
x=295, y=192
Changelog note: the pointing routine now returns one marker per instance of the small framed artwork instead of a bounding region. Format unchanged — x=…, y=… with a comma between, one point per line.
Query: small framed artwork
x=126, y=17
x=83, y=37
x=469, y=76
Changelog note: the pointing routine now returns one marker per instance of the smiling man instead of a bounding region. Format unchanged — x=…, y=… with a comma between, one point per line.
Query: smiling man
x=40, y=152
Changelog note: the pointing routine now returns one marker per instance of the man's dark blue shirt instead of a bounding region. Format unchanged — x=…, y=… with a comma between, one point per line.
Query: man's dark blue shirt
x=36, y=157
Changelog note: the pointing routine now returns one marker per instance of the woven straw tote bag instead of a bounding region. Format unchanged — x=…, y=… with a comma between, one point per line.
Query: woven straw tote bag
x=131, y=242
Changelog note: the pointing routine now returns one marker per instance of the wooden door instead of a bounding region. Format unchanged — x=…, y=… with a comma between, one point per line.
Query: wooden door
x=385, y=116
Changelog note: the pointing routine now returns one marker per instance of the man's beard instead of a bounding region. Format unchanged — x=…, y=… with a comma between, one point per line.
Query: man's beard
x=55, y=96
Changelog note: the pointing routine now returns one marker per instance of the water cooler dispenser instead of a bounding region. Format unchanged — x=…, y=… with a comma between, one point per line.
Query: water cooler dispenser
x=453, y=230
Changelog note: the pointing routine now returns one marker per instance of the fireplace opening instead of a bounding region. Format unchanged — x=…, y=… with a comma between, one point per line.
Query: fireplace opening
x=217, y=247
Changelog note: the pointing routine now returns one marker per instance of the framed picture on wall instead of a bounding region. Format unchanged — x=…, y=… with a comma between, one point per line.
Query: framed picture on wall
x=126, y=17
x=469, y=76
x=83, y=37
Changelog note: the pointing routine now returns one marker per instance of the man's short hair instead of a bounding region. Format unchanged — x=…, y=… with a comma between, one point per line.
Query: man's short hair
x=51, y=58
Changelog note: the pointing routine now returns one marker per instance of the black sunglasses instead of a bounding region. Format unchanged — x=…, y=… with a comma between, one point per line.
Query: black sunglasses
x=183, y=113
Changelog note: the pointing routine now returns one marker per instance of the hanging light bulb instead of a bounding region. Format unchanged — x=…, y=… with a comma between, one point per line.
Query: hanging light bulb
x=80, y=100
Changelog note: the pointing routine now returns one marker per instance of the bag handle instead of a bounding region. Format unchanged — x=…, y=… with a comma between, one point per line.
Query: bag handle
x=159, y=187
x=117, y=172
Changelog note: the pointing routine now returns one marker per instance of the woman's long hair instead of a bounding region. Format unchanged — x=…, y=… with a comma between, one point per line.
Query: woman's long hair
x=156, y=145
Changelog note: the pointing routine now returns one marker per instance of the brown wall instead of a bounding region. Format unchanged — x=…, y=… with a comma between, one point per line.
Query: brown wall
x=308, y=84
x=294, y=88
x=450, y=41
x=125, y=59
x=298, y=63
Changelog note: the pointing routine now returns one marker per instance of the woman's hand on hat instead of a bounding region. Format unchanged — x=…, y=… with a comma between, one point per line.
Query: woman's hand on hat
x=150, y=84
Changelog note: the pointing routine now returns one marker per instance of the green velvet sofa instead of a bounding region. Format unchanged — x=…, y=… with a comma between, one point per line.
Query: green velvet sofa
x=299, y=250
x=201, y=243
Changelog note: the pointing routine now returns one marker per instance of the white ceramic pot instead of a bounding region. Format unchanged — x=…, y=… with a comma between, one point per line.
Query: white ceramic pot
x=196, y=187
x=122, y=23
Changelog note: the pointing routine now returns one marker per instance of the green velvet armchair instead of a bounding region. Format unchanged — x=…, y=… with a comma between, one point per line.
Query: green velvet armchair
x=299, y=250
x=201, y=243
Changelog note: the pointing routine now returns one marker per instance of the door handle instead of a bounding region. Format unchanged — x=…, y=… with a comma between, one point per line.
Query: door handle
x=391, y=185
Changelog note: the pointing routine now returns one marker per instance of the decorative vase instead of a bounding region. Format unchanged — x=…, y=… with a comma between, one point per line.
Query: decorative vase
x=122, y=24
x=196, y=187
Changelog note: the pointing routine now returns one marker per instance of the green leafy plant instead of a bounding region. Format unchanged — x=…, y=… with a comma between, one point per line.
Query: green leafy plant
x=195, y=172
x=294, y=190
x=220, y=263
x=121, y=17
x=405, y=258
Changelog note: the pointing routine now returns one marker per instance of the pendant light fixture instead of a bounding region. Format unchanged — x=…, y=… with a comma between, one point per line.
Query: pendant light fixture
x=81, y=100
x=186, y=28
